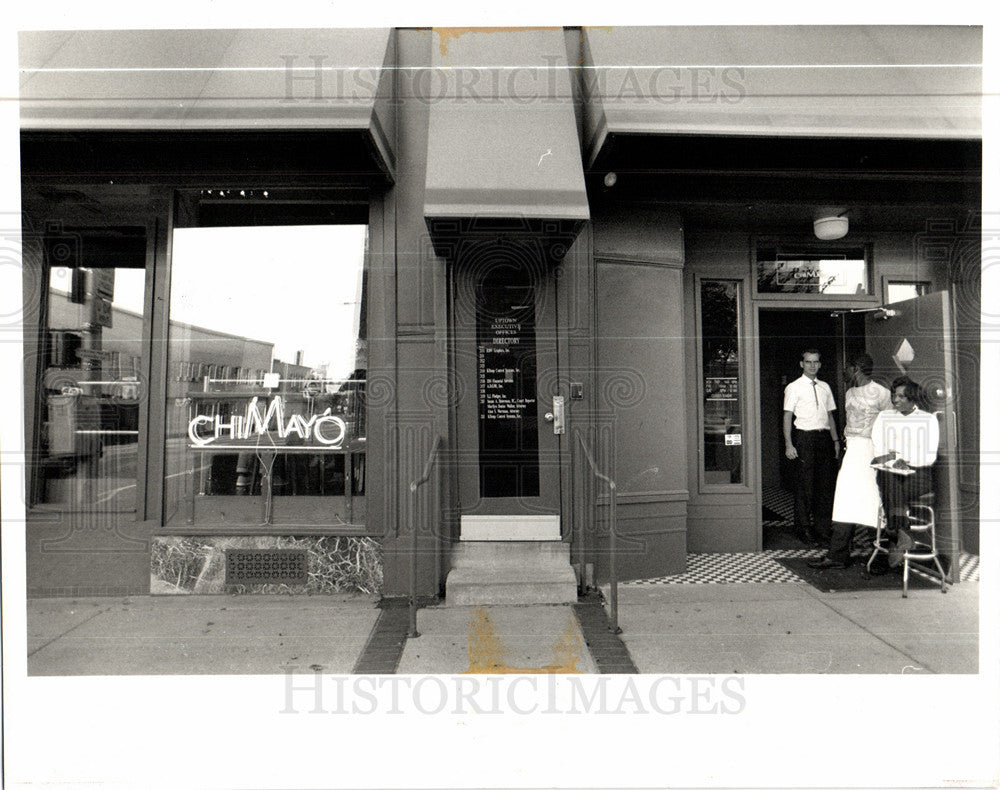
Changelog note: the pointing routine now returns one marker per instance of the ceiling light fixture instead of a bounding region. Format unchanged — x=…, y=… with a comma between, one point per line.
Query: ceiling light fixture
x=831, y=227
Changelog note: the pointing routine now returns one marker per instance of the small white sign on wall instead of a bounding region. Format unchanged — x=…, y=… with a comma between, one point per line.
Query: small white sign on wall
x=734, y=439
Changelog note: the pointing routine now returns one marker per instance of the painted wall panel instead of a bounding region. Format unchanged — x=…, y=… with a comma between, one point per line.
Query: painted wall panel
x=640, y=386
x=418, y=327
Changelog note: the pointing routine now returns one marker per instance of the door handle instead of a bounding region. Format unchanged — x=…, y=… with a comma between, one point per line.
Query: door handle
x=558, y=414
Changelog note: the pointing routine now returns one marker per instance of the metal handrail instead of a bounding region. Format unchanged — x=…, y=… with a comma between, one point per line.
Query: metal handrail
x=613, y=530
x=414, y=486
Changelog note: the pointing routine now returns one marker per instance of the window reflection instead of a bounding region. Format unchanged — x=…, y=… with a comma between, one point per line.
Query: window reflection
x=268, y=355
x=830, y=271
x=90, y=385
x=901, y=291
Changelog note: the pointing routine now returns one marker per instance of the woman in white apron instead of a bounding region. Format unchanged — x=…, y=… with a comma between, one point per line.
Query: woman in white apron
x=856, y=499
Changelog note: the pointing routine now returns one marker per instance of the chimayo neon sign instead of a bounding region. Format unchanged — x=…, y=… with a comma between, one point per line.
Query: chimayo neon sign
x=326, y=428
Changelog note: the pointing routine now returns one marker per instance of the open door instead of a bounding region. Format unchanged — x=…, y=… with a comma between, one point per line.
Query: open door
x=914, y=338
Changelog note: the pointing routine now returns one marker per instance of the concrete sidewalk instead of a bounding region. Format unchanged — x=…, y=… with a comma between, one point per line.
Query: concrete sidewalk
x=794, y=628
x=197, y=634
x=681, y=628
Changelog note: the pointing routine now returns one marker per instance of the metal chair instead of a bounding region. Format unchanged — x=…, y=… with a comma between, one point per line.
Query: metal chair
x=922, y=525
x=922, y=522
x=881, y=542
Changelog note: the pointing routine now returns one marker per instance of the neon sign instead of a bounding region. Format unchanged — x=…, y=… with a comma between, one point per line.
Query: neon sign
x=327, y=429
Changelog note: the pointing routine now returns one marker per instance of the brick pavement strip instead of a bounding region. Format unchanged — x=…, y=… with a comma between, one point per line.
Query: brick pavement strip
x=385, y=644
x=608, y=651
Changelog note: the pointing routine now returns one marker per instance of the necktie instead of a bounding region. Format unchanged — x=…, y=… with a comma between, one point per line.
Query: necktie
x=815, y=396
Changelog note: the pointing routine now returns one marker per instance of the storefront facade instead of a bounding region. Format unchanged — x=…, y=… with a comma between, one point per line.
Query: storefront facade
x=311, y=308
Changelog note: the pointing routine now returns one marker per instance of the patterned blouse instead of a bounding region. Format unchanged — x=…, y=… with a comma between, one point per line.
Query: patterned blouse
x=863, y=405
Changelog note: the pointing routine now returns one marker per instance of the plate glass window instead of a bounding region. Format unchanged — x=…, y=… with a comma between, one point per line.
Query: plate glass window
x=90, y=387
x=267, y=374
x=722, y=414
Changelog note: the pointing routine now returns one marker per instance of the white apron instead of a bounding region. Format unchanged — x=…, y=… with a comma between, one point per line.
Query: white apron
x=856, y=500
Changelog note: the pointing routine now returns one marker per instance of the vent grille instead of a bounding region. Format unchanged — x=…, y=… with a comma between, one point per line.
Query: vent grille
x=266, y=566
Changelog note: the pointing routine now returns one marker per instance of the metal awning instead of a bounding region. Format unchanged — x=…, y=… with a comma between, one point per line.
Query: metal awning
x=882, y=82
x=211, y=80
x=503, y=139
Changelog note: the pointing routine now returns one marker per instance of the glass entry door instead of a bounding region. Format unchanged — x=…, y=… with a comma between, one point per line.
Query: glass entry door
x=509, y=421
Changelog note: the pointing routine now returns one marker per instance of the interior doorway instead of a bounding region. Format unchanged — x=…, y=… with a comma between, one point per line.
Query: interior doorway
x=783, y=334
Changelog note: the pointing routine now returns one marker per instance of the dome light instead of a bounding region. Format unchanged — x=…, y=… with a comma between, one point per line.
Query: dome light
x=830, y=228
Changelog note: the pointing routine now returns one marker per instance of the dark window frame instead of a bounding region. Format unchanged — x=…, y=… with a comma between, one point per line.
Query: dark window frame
x=116, y=234
x=223, y=205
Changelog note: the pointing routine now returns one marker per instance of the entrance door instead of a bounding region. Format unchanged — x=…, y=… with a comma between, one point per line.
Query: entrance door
x=506, y=358
x=914, y=338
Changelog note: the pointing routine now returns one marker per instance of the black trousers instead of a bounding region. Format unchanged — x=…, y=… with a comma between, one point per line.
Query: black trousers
x=898, y=491
x=814, y=483
x=841, y=540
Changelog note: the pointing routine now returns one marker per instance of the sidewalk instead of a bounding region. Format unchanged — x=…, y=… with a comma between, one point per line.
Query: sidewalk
x=197, y=634
x=794, y=628
x=681, y=628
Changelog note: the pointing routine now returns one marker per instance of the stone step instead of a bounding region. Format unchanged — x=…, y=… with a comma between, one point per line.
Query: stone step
x=476, y=592
x=510, y=572
x=554, y=553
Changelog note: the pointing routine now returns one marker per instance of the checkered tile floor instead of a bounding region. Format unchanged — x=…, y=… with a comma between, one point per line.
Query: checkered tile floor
x=969, y=563
x=779, y=501
x=740, y=568
x=733, y=568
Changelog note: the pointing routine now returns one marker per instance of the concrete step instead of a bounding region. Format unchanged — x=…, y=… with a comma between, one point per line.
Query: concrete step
x=476, y=592
x=510, y=572
x=538, y=553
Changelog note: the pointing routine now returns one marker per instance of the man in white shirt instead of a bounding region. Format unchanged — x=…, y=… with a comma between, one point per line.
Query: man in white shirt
x=811, y=439
x=906, y=439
